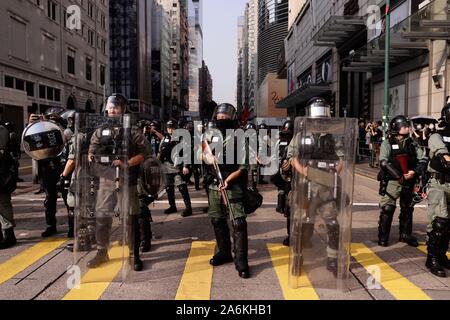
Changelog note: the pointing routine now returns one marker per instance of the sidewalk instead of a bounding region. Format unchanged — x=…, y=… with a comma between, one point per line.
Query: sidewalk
x=363, y=169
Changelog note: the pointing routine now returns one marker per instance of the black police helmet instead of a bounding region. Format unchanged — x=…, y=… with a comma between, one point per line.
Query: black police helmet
x=250, y=125
x=171, y=124
x=288, y=127
x=11, y=126
x=116, y=99
x=263, y=126
x=225, y=108
x=397, y=123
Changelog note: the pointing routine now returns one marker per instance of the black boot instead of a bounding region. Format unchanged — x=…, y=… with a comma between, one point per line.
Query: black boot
x=100, y=258
x=171, y=197
x=222, y=233
x=435, y=239
x=145, y=230
x=70, y=221
x=50, y=231
x=307, y=233
x=333, y=244
x=187, y=200
x=444, y=261
x=288, y=227
x=280, y=203
x=384, y=225
x=137, y=262
x=9, y=240
x=240, y=237
x=406, y=224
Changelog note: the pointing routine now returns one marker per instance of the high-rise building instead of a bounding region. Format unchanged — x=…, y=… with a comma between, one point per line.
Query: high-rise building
x=252, y=60
x=240, y=94
x=162, y=58
x=206, y=94
x=272, y=29
x=52, y=57
x=130, y=52
x=195, y=52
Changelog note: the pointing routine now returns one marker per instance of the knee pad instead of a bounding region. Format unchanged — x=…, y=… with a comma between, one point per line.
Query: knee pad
x=240, y=224
x=389, y=209
x=441, y=225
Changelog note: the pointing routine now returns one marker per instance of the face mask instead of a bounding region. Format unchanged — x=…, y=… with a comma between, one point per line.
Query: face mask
x=224, y=124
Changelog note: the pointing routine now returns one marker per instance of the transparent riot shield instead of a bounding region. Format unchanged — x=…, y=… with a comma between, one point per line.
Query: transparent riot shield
x=102, y=197
x=321, y=202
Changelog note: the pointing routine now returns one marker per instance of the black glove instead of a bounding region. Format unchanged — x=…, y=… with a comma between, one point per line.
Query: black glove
x=62, y=184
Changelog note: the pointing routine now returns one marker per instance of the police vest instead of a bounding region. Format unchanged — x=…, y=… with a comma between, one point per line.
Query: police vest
x=445, y=134
x=407, y=149
x=318, y=147
x=226, y=168
x=165, y=149
x=111, y=144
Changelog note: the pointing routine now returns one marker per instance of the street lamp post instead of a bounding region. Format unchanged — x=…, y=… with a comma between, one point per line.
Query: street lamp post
x=387, y=44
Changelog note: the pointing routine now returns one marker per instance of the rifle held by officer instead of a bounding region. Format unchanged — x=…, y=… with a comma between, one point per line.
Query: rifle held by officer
x=211, y=158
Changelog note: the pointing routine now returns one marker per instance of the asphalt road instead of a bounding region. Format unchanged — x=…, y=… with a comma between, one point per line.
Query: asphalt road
x=177, y=267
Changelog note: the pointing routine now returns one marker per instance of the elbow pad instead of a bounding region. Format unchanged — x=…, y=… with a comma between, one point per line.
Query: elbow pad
x=391, y=170
x=439, y=163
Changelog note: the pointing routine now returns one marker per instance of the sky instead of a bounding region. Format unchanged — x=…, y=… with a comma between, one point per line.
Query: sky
x=220, y=18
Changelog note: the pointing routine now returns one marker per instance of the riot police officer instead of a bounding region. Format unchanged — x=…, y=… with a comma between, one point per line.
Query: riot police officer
x=8, y=182
x=173, y=173
x=109, y=141
x=263, y=143
x=155, y=136
x=318, y=195
x=235, y=180
x=402, y=161
x=50, y=170
x=438, y=198
x=253, y=168
x=283, y=178
x=14, y=145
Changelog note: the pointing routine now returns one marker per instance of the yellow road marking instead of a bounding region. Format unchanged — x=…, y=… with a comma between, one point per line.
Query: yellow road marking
x=391, y=280
x=423, y=247
x=26, y=258
x=280, y=260
x=95, y=281
x=196, y=281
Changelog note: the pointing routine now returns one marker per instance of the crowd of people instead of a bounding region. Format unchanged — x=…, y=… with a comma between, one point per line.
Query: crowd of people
x=108, y=167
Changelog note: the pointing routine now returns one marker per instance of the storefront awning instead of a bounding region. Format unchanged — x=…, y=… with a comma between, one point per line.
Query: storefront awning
x=409, y=39
x=303, y=95
x=337, y=30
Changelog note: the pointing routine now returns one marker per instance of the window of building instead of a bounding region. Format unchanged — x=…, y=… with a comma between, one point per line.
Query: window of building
x=104, y=46
x=91, y=37
x=49, y=93
x=51, y=10
x=71, y=61
x=88, y=69
x=103, y=21
x=102, y=75
x=90, y=9
x=9, y=82
x=41, y=91
x=30, y=89
x=57, y=95
x=20, y=84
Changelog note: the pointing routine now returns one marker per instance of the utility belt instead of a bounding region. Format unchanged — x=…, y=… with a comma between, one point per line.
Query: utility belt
x=441, y=177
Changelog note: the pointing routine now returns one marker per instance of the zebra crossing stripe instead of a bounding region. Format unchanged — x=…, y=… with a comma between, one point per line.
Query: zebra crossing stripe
x=280, y=260
x=196, y=281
